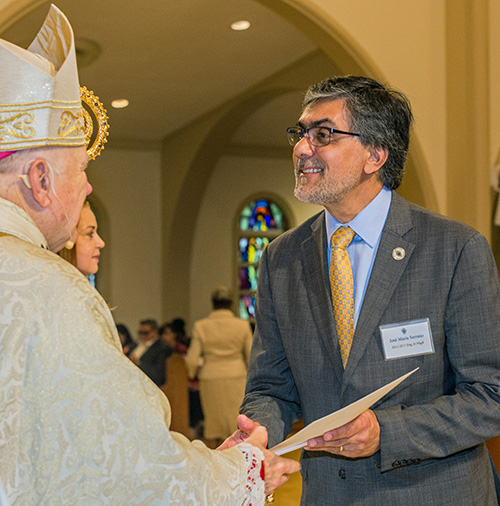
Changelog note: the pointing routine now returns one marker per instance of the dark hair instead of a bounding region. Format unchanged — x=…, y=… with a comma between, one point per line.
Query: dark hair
x=178, y=327
x=222, y=298
x=222, y=304
x=382, y=116
x=122, y=329
x=151, y=322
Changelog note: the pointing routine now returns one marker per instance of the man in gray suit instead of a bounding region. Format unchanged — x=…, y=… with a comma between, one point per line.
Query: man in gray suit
x=424, y=292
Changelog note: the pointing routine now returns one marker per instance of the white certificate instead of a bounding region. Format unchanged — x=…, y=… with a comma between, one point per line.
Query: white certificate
x=336, y=419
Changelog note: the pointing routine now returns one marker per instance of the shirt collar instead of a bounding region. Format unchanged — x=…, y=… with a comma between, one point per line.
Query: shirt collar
x=367, y=224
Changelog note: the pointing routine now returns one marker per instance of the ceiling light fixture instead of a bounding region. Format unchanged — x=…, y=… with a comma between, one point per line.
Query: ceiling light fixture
x=119, y=103
x=238, y=26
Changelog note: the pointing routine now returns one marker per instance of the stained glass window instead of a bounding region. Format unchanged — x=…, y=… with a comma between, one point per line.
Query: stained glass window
x=260, y=221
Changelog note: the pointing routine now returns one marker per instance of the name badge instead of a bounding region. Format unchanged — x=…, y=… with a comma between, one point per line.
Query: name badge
x=407, y=339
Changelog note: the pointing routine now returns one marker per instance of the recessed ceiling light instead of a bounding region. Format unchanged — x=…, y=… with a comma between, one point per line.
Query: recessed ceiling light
x=119, y=103
x=240, y=25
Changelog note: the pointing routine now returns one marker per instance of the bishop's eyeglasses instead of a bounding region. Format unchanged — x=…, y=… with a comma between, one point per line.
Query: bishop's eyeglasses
x=318, y=136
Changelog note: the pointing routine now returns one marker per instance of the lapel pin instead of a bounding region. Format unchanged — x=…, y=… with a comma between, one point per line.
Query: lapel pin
x=398, y=253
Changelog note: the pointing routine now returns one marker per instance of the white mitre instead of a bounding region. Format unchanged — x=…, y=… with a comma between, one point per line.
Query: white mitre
x=40, y=102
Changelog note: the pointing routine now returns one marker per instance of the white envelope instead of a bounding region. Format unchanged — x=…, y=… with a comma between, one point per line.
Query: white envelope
x=336, y=419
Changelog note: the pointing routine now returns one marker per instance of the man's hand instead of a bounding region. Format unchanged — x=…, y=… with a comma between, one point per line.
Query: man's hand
x=277, y=469
x=358, y=438
x=245, y=429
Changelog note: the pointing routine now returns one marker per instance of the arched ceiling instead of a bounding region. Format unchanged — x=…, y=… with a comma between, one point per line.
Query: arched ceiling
x=174, y=61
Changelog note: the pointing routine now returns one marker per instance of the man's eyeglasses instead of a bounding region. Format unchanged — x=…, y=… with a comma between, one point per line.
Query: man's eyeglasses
x=318, y=136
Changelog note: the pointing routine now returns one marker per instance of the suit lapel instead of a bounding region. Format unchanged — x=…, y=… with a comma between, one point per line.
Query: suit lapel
x=385, y=276
x=315, y=265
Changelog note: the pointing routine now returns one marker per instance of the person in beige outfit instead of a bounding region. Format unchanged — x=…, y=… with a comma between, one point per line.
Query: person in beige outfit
x=219, y=353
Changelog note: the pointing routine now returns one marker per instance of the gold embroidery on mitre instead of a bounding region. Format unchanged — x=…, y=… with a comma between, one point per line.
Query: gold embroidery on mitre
x=71, y=122
x=88, y=127
x=18, y=125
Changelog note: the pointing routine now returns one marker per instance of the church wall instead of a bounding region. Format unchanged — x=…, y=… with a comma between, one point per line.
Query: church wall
x=404, y=41
x=494, y=64
x=437, y=52
x=233, y=180
x=127, y=187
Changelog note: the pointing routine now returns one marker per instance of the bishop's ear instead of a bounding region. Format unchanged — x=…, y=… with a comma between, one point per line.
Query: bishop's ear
x=38, y=175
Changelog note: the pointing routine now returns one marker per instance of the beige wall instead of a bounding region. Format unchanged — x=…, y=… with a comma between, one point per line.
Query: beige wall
x=403, y=43
x=190, y=156
x=438, y=52
x=127, y=192
x=234, y=180
x=494, y=80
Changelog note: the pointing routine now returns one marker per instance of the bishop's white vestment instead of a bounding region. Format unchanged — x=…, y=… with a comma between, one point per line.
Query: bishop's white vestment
x=80, y=424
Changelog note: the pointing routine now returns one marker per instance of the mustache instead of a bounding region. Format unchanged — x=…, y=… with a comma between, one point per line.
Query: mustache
x=308, y=164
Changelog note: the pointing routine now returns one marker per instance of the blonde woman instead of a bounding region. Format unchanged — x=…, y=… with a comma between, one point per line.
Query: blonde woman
x=87, y=249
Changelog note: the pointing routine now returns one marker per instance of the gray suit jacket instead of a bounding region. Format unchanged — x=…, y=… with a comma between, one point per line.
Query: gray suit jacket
x=433, y=426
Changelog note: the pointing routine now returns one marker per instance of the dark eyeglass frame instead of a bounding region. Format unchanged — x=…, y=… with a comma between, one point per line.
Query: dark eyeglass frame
x=298, y=131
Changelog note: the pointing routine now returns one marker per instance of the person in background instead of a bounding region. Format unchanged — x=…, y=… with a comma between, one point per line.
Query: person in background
x=219, y=350
x=84, y=255
x=150, y=353
x=174, y=335
x=80, y=423
x=367, y=290
x=128, y=344
x=176, y=387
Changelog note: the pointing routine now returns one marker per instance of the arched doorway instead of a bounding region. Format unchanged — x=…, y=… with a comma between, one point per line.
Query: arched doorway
x=336, y=55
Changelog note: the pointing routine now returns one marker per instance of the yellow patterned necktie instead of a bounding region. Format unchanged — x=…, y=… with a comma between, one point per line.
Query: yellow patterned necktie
x=341, y=283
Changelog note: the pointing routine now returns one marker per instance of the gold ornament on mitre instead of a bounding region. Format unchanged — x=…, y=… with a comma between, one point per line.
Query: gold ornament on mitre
x=95, y=122
x=40, y=103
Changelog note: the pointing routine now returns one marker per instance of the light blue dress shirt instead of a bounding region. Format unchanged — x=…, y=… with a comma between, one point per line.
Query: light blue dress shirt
x=368, y=225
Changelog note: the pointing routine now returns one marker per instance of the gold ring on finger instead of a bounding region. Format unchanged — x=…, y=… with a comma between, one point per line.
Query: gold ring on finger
x=341, y=449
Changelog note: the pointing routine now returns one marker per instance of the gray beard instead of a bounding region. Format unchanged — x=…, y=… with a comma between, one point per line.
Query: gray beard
x=324, y=193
